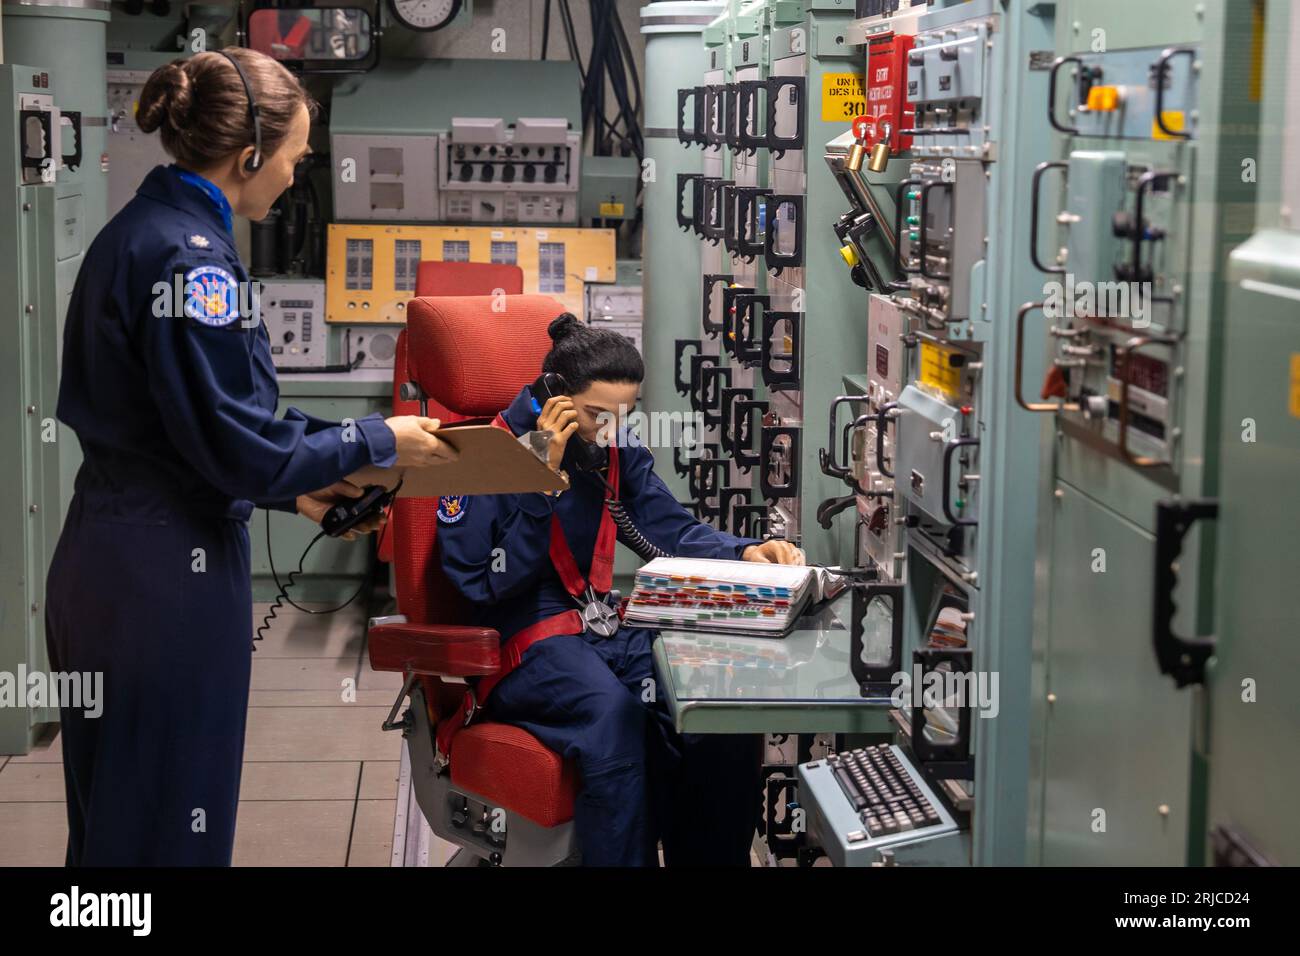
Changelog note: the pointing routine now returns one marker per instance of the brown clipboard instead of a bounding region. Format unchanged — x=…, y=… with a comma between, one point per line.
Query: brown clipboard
x=492, y=462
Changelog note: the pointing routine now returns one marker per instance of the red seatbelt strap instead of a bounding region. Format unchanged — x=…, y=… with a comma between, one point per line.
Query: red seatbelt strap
x=566, y=622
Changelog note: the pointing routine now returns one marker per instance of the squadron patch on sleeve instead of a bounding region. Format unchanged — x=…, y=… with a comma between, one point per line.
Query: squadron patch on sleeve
x=211, y=296
x=451, y=508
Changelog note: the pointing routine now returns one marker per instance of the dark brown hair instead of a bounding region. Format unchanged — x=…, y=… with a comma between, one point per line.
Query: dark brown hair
x=200, y=108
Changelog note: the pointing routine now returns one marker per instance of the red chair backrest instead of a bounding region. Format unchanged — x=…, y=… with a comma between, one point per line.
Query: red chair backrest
x=470, y=355
x=443, y=278
x=468, y=278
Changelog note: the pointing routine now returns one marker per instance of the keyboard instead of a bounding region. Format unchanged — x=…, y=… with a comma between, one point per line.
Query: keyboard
x=865, y=800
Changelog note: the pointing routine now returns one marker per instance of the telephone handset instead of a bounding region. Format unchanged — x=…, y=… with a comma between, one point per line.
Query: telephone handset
x=587, y=455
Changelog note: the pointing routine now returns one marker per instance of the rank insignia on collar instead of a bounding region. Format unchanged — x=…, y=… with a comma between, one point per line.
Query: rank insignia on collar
x=198, y=242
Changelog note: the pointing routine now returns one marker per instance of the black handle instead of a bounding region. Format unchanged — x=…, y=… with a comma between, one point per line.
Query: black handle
x=688, y=221
x=1162, y=67
x=943, y=761
x=1051, y=94
x=727, y=111
x=1034, y=202
x=712, y=379
x=742, y=428
x=680, y=465
x=698, y=364
x=773, y=490
x=714, y=115
x=713, y=221
x=680, y=347
x=34, y=155
x=746, y=222
x=882, y=421
x=1182, y=658
x=1135, y=271
x=875, y=680
x=711, y=328
x=828, y=509
x=748, y=138
x=692, y=96
x=746, y=517
x=779, y=144
x=729, y=295
x=949, y=450
x=782, y=379
x=73, y=159
x=826, y=456
x=728, y=433
x=749, y=345
x=923, y=241
x=777, y=261
x=729, y=499
x=852, y=482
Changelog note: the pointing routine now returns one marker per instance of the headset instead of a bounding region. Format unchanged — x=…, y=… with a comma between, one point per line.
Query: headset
x=254, y=162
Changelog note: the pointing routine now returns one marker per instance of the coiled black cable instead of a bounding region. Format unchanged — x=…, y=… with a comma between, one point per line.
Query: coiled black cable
x=283, y=598
x=631, y=535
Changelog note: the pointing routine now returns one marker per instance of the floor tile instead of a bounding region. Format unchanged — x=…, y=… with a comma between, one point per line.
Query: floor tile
x=295, y=780
x=319, y=733
x=379, y=779
x=372, y=833
x=293, y=832
x=31, y=782
x=33, y=834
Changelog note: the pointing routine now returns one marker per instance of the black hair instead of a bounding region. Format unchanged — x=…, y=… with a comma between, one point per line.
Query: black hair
x=582, y=355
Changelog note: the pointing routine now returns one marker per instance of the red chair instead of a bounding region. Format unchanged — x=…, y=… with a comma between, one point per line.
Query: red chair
x=434, y=277
x=470, y=360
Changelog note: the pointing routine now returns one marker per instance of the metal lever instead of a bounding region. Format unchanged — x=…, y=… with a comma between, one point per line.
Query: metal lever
x=1020, y=368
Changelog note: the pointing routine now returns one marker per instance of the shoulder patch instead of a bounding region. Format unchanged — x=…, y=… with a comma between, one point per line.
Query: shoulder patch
x=196, y=241
x=211, y=296
x=451, y=508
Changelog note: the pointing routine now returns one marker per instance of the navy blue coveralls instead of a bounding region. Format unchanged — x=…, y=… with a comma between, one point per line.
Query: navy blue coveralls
x=173, y=399
x=592, y=698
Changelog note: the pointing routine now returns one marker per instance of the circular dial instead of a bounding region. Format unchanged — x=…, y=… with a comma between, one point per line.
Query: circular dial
x=424, y=14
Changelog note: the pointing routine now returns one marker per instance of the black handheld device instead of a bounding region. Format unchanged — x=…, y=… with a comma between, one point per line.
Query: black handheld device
x=346, y=515
x=587, y=455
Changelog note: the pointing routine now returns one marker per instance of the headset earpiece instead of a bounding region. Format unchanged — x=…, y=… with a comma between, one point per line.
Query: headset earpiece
x=254, y=162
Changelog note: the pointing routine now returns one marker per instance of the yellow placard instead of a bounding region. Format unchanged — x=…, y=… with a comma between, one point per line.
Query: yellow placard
x=612, y=210
x=843, y=97
x=937, y=373
x=1174, y=121
x=1295, y=384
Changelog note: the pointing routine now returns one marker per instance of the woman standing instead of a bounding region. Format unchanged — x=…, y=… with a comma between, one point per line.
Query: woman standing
x=168, y=383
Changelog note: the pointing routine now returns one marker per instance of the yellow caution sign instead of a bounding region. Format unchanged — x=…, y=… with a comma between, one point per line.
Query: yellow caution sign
x=938, y=374
x=843, y=97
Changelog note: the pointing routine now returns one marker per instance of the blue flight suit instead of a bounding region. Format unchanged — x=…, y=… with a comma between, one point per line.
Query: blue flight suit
x=173, y=399
x=590, y=698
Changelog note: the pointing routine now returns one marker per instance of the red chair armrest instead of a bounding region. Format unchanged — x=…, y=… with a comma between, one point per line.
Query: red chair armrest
x=438, y=650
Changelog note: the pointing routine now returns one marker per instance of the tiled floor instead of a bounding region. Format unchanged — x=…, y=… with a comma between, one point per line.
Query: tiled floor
x=320, y=778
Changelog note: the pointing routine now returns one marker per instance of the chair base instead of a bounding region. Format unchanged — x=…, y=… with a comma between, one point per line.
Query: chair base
x=471, y=821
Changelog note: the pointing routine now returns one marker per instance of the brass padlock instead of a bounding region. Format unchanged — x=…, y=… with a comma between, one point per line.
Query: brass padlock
x=880, y=152
x=856, y=152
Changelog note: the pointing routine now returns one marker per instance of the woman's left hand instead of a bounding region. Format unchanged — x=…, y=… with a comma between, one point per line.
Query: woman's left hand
x=773, y=552
x=316, y=504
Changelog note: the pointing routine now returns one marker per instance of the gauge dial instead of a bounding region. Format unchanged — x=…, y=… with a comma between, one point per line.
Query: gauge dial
x=424, y=14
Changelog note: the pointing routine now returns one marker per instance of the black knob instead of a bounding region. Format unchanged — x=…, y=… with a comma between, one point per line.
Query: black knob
x=508, y=174
x=466, y=172
x=288, y=337
x=530, y=173
x=551, y=171
x=488, y=173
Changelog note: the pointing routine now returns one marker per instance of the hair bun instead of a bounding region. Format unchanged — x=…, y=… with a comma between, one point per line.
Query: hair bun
x=563, y=326
x=167, y=99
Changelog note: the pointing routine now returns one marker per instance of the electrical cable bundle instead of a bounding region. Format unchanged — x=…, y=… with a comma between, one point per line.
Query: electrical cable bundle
x=611, y=65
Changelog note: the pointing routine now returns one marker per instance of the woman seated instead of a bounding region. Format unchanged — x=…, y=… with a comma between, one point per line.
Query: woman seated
x=536, y=566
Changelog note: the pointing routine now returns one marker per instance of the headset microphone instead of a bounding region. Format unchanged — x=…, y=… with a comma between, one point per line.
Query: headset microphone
x=254, y=162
